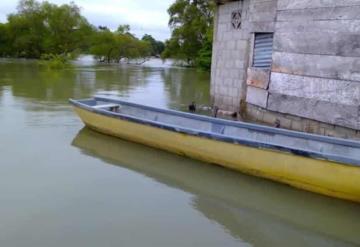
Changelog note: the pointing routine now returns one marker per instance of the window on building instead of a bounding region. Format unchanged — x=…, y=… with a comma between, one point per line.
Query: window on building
x=263, y=48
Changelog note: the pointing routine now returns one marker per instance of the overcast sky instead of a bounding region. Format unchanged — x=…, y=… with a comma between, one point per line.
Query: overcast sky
x=144, y=16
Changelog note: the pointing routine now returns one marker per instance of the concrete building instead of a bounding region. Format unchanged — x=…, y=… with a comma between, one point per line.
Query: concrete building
x=291, y=62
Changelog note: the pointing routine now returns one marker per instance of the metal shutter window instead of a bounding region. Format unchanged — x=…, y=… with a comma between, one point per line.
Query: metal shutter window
x=263, y=48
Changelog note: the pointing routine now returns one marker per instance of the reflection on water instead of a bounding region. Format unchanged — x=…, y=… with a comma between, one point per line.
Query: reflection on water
x=257, y=211
x=164, y=86
x=54, y=195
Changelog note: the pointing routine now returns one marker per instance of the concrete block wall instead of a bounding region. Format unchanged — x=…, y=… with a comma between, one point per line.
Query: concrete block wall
x=315, y=75
x=230, y=53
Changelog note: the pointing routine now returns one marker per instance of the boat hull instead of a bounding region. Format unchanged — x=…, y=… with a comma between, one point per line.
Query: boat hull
x=320, y=176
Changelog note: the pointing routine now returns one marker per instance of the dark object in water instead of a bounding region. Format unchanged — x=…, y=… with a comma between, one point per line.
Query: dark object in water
x=277, y=123
x=215, y=112
x=192, y=107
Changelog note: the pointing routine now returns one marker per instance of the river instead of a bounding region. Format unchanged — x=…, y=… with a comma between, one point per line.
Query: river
x=64, y=185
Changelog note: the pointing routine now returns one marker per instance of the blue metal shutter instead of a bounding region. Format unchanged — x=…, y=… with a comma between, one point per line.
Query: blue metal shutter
x=263, y=48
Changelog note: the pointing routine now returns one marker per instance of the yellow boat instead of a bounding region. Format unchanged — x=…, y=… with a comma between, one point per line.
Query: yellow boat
x=325, y=165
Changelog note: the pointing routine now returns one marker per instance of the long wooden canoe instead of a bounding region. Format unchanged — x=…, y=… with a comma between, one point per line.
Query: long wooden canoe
x=320, y=164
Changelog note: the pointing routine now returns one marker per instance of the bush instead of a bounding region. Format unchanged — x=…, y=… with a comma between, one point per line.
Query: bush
x=55, y=61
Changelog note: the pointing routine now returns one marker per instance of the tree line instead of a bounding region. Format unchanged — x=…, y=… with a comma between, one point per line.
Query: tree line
x=45, y=30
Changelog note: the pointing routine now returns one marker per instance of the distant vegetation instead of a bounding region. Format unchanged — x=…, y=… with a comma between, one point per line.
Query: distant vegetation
x=57, y=33
x=119, y=45
x=191, y=22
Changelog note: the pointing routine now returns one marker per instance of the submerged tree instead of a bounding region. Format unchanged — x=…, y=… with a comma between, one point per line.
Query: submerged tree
x=157, y=47
x=191, y=22
x=41, y=27
x=111, y=46
x=68, y=29
x=4, y=40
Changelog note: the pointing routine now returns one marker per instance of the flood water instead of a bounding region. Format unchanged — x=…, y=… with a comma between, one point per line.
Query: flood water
x=64, y=185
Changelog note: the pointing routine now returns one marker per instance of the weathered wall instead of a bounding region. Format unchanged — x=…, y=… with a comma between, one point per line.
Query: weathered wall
x=316, y=59
x=261, y=18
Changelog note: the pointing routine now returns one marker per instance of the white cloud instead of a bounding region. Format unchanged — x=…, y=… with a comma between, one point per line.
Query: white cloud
x=144, y=16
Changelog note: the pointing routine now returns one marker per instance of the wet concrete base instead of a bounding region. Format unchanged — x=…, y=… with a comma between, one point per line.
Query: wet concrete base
x=259, y=115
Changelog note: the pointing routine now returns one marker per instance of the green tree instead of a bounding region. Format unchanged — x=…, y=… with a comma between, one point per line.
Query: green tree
x=157, y=47
x=191, y=22
x=4, y=40
x=67, y=29
x=26, y=30
x=114, y=46
x=123, y=29
x=204, y=57
x=104, y=45
x=42, y=28
x=58, y=32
